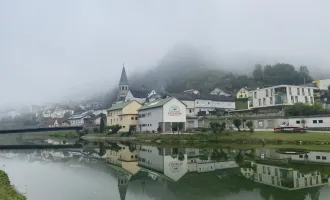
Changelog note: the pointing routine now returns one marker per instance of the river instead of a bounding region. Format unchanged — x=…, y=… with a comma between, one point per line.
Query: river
x=141, y=172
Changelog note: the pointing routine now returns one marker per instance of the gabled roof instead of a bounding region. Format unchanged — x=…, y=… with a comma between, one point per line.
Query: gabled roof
x=193, y=97
x=121, y=105
x=155, y=104
x=123, y=78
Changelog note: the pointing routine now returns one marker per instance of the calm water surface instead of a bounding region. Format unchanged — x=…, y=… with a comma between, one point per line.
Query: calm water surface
x=134, y=172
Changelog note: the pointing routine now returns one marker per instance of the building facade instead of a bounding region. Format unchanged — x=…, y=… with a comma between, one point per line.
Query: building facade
x=161, y=115
x=282, y=95
x=124, y=114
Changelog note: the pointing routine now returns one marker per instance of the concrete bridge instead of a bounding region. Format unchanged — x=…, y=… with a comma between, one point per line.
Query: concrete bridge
x=38, y=129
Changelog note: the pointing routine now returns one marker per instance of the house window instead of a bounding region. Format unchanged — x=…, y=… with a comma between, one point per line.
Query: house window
x=271, y=100
x=121, y=118
x=324, y=157
x=267, y=93
x=301, y=156
x=132, y=118
x=197, y=102
x=264, y=101
x=303, y=91
x=255, y=95
x=312, y=100
x=314, y=121
x=136, y=118
x=296, y=97
x=143, y=115
x=208, y=102
x=298, y=122
x=318, y=157
x=298, y=91
x=306, y=100
x=292, y=99
x=309, y=92
x=321, y=121
x=290, y=92
x=190, y=111
x=259, y=102
x=149, y=114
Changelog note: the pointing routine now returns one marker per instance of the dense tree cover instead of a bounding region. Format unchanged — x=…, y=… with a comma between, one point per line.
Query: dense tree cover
x=280, y=73
x=301, y=109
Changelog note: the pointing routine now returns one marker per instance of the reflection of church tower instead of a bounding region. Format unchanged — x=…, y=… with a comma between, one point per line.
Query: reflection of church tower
x=123, y=180
x=123, y=85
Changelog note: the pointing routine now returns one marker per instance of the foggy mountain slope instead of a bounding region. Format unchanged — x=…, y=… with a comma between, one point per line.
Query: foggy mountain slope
x=186, y=66
x=181, y=62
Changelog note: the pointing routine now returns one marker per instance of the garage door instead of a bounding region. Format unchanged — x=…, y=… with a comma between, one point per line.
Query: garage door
x=190, y=124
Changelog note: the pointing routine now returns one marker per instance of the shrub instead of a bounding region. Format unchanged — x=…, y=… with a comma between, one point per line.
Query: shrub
x=249, y=124
x=95, y=130
x=159, y=130
x=237, y=123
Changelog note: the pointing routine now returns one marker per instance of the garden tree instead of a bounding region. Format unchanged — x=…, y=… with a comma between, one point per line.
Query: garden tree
x=301, y=109
x=132, y=129
x=114, y=128
x=304, y=74
x=102, y=125
x=249, y=124
x=217, y=127
x=237, y=123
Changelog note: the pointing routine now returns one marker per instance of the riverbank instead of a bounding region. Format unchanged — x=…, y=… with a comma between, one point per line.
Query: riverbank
x=271, y=138
x=7, y=191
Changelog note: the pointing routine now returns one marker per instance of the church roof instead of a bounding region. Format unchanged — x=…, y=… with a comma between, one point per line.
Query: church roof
x=123, y=77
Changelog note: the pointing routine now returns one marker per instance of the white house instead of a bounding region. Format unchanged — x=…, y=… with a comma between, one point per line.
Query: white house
x=196, y=103
x=282, y=95
x=78, y=120
x=60, y=112
x=286, y=178
x=98, y=112
x=220, y=92
x=162, y=114
x=166, y=162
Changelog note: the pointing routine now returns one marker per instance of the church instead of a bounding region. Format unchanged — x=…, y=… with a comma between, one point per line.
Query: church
x=126, y=93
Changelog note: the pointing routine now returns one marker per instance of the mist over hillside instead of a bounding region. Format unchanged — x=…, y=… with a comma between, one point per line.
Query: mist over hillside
x=186, y=66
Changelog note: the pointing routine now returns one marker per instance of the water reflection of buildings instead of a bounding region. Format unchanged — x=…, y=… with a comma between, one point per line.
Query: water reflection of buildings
x=166, y=165
x=289, y=170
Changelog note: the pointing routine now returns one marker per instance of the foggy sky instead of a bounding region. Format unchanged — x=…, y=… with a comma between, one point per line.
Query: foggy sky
x=53, y=50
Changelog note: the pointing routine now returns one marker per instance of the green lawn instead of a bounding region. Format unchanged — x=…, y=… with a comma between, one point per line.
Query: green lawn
x=7, y=191
x=57, y=134
x=268, y=135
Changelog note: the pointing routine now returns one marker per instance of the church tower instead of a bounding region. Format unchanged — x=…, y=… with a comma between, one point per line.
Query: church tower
x=123, y=85
x=123, y=180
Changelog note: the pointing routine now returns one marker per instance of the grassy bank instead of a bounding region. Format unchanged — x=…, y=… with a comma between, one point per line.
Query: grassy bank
x=258, y=136
x=55, y=134
x=7, y=191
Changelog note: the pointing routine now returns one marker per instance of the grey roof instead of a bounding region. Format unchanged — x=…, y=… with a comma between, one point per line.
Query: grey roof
x=192, y=97
x=123, y=77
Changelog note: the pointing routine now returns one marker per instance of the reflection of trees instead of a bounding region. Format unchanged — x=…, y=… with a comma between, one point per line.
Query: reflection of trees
x=219, y=155
x=239, y=158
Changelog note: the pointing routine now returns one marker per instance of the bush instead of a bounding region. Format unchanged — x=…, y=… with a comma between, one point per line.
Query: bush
x=95, y=130
x=216, y=127
x=249, y=124
x=114, y=128
x=237, y=123
x=159, y=130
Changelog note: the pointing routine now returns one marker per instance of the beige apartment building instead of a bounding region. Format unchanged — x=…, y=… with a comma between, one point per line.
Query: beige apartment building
x=125, y=114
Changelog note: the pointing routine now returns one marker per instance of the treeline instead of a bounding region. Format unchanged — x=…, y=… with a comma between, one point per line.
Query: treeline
x=301, y=109
x=262, y=76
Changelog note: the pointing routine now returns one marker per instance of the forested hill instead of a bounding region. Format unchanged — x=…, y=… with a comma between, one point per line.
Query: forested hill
x=185, y=68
